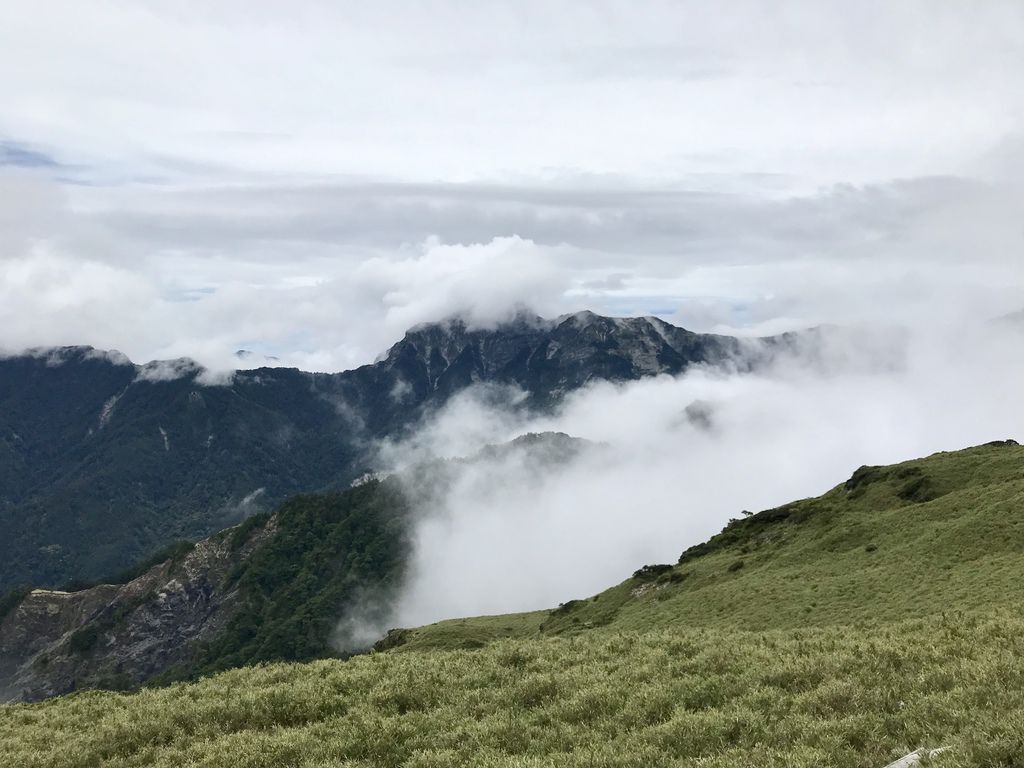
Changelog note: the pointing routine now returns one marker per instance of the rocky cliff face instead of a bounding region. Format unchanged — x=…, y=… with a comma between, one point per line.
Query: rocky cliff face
x=120, y=635
x=548, y=358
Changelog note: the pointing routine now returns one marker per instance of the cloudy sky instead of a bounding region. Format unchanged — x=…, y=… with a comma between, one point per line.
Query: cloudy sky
x=309, y=179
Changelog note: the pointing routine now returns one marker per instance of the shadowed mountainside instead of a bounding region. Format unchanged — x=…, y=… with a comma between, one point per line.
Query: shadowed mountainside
x=103, y=462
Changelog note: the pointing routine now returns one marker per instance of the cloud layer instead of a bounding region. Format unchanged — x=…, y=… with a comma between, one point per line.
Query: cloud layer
x=821, y=91
x=510, y=534
x=308, y=183
x=168, y=275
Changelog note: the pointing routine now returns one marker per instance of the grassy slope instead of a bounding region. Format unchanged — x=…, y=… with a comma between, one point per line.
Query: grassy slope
x=708, y=697
x=940, y=534
x=711, y=670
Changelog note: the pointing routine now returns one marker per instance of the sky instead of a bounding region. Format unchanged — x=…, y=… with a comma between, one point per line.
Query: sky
x=306, y=181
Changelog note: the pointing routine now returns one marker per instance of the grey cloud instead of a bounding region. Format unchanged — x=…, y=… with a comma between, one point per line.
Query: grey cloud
x=324, y=276
x=684, y=225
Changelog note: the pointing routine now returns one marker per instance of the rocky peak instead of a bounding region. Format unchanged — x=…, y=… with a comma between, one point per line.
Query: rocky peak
x=548, y=357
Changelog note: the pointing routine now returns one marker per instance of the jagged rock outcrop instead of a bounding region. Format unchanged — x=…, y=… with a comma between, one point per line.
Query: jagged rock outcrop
x=548, y=358
x=120, y=635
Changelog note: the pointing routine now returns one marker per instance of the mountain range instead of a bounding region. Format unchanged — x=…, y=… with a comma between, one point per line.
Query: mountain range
x=103, y=462
x=879, y=619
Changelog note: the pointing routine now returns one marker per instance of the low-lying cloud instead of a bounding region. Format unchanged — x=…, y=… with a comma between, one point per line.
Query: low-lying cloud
x=676, y=458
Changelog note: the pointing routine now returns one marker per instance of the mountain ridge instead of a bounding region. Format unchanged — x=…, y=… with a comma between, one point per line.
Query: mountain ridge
x=103, y=461
x=521, y=321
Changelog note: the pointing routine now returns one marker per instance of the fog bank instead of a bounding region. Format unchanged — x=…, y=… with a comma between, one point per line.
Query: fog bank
x=679, y=457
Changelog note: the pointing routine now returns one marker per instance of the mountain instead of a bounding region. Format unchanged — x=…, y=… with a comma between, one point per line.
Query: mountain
x=119, y=635
x=547, y=359
x=270, y=589
x=109, y=461
x=276, y=587
x=103, y=461
x=848, y=630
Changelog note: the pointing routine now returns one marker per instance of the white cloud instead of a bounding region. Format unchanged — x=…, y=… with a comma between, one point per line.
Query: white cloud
x=308, y=183
x=822, y=91
x=512, y=535
x=58, y=289
x=77, y=267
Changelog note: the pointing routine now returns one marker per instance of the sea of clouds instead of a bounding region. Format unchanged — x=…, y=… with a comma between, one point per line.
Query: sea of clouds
x=511, y=534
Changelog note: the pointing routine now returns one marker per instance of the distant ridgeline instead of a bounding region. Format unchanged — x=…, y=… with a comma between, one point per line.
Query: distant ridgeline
x=103, y=462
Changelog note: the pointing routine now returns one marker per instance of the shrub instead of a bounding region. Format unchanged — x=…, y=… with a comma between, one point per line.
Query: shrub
x=566, y=608
x=85, y=639
x=650, y=572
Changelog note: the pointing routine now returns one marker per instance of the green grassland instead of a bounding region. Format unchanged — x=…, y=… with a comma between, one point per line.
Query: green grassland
x=707, y=697
x=917, y=539
x=881, y=617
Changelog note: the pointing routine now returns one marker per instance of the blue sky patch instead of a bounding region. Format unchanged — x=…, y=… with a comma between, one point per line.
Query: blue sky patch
x=19, y=155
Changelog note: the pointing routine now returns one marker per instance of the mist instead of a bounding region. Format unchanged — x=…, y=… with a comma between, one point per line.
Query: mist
x=673, y=459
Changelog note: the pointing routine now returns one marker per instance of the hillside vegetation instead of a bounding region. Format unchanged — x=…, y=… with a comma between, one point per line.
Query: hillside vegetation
x=708, y=697
x=324, y=552
x=922, y=538
x=314, y=579
x=271, y=589
x=882, y=617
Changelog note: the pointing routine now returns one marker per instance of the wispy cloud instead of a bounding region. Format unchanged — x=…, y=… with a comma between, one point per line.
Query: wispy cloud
x=22, y=156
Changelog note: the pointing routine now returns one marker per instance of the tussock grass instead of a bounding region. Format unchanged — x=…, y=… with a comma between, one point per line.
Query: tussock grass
x=707, y=697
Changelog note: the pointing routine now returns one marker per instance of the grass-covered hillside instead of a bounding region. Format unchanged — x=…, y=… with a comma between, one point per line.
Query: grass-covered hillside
x=938, y=535
x=686, y=697
x=843, y=631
